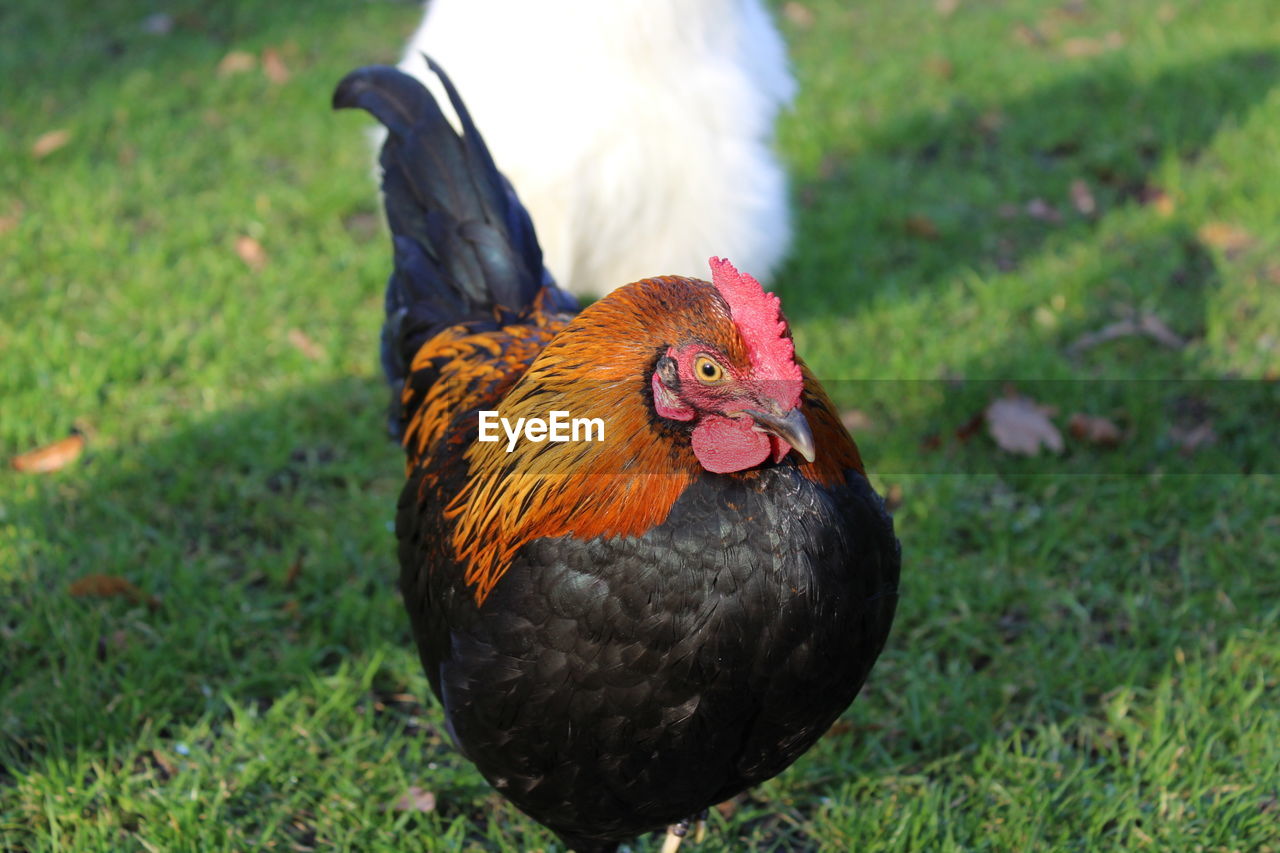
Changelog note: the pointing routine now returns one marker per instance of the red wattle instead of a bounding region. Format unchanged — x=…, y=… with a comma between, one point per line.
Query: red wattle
x=724, y=445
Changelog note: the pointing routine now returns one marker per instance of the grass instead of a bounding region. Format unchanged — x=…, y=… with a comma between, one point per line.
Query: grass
x=1087, y=649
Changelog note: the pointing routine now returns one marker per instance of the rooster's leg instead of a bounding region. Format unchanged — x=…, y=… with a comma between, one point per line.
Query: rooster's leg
x=700, y=829
x=677, y=832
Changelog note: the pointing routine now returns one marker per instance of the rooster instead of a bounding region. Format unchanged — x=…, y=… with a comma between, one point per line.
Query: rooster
x=621, y=632
x=645, y=111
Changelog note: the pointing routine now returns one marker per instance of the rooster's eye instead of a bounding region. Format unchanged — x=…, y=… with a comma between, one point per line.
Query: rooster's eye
x=707, y=371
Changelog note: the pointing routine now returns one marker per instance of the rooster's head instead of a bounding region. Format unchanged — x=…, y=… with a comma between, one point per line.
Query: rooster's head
x=741, y=397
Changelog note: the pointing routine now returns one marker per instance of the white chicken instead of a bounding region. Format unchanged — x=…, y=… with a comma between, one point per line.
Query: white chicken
x=638, y=133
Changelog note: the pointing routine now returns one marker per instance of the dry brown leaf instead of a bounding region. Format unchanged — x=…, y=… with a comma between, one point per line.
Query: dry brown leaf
x=163, y=762
x=47, y=143
x=921, y=226
x=1040, y=209
x=1156, y=329
x=1146, y=324
x=1157, y=198
x=839, y=728
x=1082, y=197
x=970, y=428
x=1189, y=439
x=1027, y=35
x=1020, y=425
x=51, y=457
x=946, y=8
x=109, y=586
x=1225, y=236
x=305, y=345
x=893, y=497
x=728, y=807
x=990, y=122
x=1094, y=430
x=798, y=14
x=251, y=252
x=159, y=24
x=237, y=62
x=273, y=66
x=294, y=571
x=1078, y=48
x=10, y=220
x=415, y=800
x=940, y=67
x=855, y=420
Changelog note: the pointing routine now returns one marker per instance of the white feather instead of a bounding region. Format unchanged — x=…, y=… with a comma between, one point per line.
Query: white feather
x=637, y=132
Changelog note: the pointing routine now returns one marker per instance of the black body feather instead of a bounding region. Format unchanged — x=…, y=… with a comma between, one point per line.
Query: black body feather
x=615, y=686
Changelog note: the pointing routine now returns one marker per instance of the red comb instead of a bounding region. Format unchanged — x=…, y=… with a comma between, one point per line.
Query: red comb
x=758, y=316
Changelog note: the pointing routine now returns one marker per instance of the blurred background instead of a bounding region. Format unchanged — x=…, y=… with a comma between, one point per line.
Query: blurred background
x=1035, y=261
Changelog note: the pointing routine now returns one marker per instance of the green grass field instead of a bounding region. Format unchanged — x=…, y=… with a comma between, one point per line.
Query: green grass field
x=1087, y=654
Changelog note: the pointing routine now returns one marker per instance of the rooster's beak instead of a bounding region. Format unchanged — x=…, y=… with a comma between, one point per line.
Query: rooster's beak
x=791, y=428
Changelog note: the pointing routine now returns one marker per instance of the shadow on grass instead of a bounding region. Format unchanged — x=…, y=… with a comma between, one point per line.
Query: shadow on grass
x=258, y=541
x=944, y=194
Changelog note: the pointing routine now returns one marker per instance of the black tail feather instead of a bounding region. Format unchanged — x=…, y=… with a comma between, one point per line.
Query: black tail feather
x=464, y=245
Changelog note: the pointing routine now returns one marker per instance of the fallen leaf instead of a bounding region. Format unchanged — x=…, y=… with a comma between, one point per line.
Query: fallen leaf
x=940, y=67
x=47, y=143
x=893, y=498
x=855, y=420
x=1231, y=239
x=118, y=641
x=1082, y=197
x=1146, y=324
x=969, y=428
x=1190, y=439
x=798, y=14
x=1073, y=9
x=251, y=252
x=946, y=8
x=305, y=345
x=51, y=457
x=1028, y=36
x=1040, y=209
x=1155, y=328
x=1078, y=48
x=416, y=800
x=110, y=586
x=236, y=62
x=294, y=572
x=921, y=226
x=10, y=220
x=1020, y=425
x=163, y=762
x=159, y=24
x=273, y=66
x=363, y=225
x=990, y=122
x=727, y=808
x=1157, y=198
x=1094, y=430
